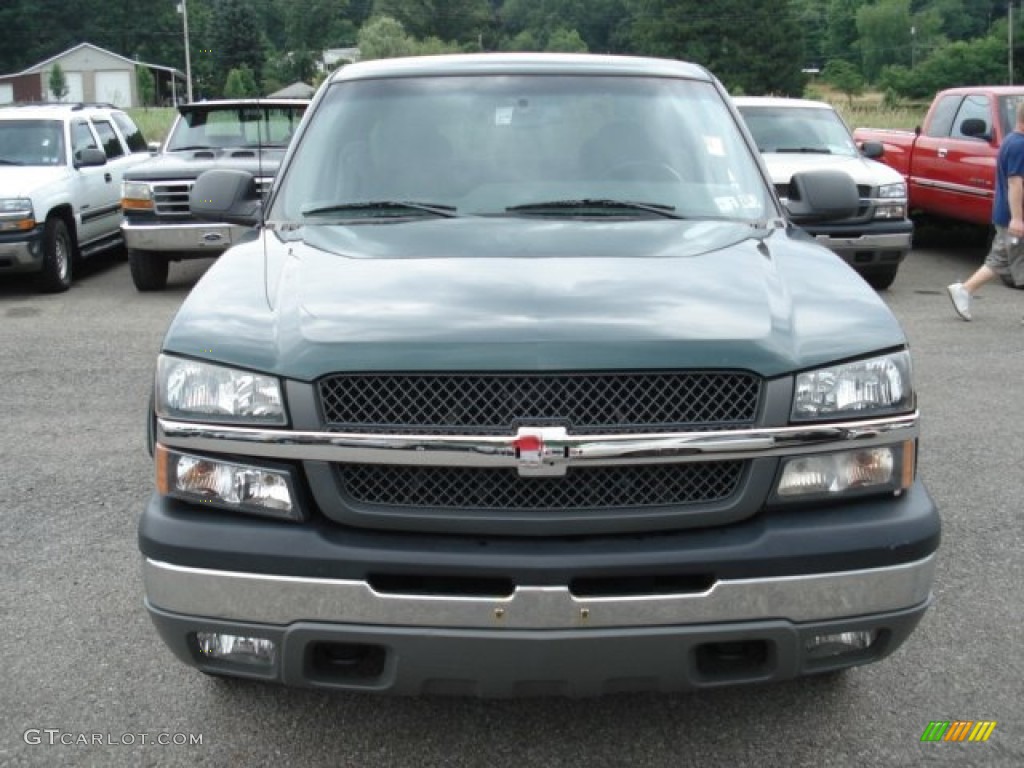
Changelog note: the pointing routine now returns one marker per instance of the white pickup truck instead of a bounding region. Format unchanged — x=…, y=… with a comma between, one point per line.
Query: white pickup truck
x=60, y=185
x=796, y=135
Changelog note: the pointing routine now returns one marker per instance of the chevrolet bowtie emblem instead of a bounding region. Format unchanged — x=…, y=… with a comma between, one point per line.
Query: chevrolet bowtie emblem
x=541, y=451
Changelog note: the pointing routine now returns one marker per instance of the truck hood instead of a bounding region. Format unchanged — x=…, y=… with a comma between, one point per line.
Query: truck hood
x=22, y=181
x=514, y=294
x=863, y=171
x=188, y=165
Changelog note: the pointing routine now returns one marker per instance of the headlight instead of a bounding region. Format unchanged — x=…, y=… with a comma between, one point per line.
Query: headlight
x=891, y=191
x=16, y=214
x=190, y=390
x=873, y=387
x=136, y=195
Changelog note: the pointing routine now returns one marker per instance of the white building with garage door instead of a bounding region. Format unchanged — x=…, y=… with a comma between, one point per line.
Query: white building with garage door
x=92, y=74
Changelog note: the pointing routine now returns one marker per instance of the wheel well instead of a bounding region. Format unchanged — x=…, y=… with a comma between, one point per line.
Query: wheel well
x=64, y=212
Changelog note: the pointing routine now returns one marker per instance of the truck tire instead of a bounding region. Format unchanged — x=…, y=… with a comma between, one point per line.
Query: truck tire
x=880, y=278
x=58, y=251
x=149, y=270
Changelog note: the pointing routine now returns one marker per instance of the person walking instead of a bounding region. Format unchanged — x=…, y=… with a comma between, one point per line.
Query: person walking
x=1006, y=257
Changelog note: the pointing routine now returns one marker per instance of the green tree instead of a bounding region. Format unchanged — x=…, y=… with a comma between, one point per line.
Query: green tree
x=564, y=40
x=240, y=83
x=462, y=21
x=58, y=83
x=845, y=77
x=597, y=22
x=841, y=38
x=982, y=60
x=384, y=38
x=884, y=29
x=751, y=45
x=235, y=38
x=146, y=84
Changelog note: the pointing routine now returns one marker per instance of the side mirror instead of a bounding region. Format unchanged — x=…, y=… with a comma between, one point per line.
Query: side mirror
x=872, y=149
x=90, y=157
x=975, y=128
x=822, y=196
x=154, y=147
x=226, y=195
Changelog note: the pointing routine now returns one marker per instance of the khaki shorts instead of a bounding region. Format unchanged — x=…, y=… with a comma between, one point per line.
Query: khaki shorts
x=1006, y=258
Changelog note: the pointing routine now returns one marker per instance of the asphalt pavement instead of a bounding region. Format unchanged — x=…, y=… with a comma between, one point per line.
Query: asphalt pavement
x=84, y=680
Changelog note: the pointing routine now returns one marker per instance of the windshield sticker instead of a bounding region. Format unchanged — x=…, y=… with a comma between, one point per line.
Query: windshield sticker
x=714, y=146
x=734, y=203
x=727, y=204
x=503, y=115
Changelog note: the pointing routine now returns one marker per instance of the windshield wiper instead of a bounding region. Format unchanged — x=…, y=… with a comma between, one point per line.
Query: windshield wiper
x=10, y=162
x=668, y=211
x=190, y=147
x=803, y=150
x=383, y=206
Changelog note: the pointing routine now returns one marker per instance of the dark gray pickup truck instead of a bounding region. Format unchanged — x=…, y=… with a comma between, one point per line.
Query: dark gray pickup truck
x=243, y=134
x=528, y=386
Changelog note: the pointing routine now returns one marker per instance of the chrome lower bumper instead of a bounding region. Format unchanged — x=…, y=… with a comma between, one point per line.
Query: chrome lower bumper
x=21, y=255
x=888, y=242
x=195, y=238
x=281, y=600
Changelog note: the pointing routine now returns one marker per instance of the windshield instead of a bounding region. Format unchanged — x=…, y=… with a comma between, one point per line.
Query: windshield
x=31, y=142
x=522, y=145
x=249, y=126
x=799, y=129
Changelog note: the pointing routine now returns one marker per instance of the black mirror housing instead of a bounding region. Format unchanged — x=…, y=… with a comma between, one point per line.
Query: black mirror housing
x=90, y=157
x=872, y=149
x=822, y=196
x=228, y=196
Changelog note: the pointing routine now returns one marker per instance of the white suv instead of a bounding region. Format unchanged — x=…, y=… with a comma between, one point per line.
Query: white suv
x=797, y=135
x=60, y=185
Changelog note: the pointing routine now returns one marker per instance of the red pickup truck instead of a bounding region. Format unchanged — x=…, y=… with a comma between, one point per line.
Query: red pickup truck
x=949, y=163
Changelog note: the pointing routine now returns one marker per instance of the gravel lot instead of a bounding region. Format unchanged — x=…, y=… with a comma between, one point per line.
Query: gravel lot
x=81, y=662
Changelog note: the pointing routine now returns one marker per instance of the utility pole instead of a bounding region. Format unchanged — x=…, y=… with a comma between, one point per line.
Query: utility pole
x=183, y=10
x=1009, y=40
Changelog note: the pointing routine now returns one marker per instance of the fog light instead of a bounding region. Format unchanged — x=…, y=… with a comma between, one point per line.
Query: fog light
x=258, y=490
x=236, y=648
x=838, y=644
x=890, y=212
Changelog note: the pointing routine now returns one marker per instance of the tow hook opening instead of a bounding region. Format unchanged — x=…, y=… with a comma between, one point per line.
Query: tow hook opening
x=345, y=662
x=729, y=661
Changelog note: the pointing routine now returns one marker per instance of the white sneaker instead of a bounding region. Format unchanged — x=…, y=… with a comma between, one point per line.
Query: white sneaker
x=961, y=300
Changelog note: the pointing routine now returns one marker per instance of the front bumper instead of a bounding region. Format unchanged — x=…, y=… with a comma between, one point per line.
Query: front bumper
x=21, y=251
x=190, y=239
x=412, y=613
x=504, y=663
x=872, y=243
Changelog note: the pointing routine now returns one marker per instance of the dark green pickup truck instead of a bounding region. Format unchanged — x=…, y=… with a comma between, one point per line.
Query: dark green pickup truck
x=529, y=386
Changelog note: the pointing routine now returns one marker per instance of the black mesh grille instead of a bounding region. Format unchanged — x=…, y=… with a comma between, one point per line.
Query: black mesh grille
x=498, y=403
x=471, y=488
